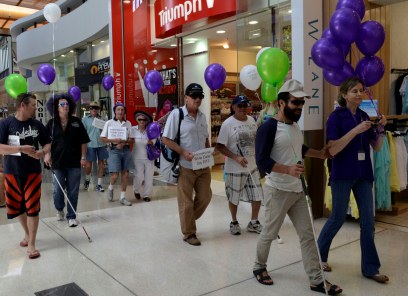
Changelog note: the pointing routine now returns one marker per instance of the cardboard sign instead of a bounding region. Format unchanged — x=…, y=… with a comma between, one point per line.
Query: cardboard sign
x=14, y=141
x=117, y=133
x=98, y=123
x=203, y=159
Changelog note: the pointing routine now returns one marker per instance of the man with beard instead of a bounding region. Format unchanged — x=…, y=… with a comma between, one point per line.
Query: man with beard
x=278, y=157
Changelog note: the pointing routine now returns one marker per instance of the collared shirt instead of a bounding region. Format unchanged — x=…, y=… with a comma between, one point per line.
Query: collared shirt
x=66, y=147
x=193, y=132
x=345, y=165
x=141, y=139
x=94, y=133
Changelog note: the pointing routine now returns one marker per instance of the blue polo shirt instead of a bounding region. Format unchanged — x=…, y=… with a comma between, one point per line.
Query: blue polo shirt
x=345, y=165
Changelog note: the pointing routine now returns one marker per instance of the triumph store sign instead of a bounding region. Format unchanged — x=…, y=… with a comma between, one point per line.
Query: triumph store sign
x=171, y=15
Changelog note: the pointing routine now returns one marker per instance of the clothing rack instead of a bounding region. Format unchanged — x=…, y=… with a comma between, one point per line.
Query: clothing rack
x=399, y=71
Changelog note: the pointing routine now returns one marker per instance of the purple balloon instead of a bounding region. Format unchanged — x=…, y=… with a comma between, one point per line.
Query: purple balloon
x=46, y=73
x=337, y=76
x=327, y=54
x=356, y=5
x=153, y=81
x=345, y=25
x=153, y=152
x=214, y=76
x=153, y=130
x=370, y=70
x=345, y=47
x=371, y=37
x=75, y=92
x=107, y=82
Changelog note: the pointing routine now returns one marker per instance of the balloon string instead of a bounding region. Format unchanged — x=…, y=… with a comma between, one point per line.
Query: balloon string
x=257, y=95
x=53, y=88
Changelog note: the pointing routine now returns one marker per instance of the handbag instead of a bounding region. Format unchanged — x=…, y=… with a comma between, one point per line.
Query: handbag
x=153, y=152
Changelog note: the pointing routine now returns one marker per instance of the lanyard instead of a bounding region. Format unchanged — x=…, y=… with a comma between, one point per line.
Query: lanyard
x=361, y=134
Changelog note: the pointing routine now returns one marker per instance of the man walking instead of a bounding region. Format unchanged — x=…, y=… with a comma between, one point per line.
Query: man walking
x=96, y=150
x=193, y=137
x=279, y=149
x=236, y=140
x=120, y=157
x=20, y=138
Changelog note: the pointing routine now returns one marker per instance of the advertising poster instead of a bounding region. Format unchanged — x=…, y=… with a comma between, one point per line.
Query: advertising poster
x=167, y=98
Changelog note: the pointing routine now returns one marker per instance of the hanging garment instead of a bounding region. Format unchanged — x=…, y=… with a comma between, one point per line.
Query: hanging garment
x=402, y=161
x=382, y=163
x=394, y=178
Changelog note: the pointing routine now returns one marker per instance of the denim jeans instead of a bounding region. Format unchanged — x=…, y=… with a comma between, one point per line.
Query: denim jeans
x=69, y=179
x=370, y=263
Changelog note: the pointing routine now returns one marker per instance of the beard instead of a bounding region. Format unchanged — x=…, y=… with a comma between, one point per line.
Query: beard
x=291, y=115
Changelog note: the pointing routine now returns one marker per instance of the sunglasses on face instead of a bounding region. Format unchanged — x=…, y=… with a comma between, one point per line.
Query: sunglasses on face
x=243, y=105
x=63, y=104
x=93, y=108
x=297, y=102
x=141, y=119
x=195, y=97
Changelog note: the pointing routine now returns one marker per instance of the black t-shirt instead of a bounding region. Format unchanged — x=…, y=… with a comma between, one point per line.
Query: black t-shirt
x=30, y=132
x=66, y=145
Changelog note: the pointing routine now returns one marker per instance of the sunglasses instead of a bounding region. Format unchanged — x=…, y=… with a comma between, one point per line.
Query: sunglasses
x=243, y=105
x=93, y=108
x=63, y=104
x=195, y=97
x=141, y=119
x=297, y=102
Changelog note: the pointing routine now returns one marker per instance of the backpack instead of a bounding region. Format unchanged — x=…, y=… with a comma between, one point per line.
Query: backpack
x=169, y=159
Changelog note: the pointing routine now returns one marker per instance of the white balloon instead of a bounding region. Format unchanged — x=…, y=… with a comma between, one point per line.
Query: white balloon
x=52, y=12
x=260, y=52
x=249, y=77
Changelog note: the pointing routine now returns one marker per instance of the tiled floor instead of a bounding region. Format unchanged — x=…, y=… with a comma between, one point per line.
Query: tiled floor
x=139, y=250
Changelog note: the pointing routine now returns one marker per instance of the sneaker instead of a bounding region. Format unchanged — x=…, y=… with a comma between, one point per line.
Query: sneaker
x=192, y=240
x=86, y=184
x=125, y=202
x=110, y=194
x=60, y=216
x=137, y=195
x=99, y=188
x=257, y=227
x=72, y=223
x=235, y=229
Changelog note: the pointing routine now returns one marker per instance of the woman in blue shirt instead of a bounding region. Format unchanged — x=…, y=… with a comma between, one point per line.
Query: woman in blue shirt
x=349, y=134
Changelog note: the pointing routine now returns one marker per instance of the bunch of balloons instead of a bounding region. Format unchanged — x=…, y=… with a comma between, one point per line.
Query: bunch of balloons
x=215, y=75
x=272, y=66
x=330, y=51
x=153, y=130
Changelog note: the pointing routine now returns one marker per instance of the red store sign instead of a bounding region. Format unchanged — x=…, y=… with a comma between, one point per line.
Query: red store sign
x=170, y=15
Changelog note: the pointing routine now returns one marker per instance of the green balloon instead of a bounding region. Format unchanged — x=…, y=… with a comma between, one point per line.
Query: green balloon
x=269, y=92
x=15, y=84
x=273, y=65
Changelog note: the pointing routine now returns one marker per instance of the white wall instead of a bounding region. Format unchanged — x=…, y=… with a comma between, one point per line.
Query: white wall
x=398, y=40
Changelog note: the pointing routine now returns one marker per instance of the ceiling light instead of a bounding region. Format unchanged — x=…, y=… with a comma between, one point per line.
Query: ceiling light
x=172, y=59
x=154, y=50
x=71, y=51
x=225, y=45
x=253, y=22
x=254, y=34
x=63, y=55
x=173, y=45
x=102, y=41
x=126, y=1
x=290, y=11
x=220, y=32
x=93, y=45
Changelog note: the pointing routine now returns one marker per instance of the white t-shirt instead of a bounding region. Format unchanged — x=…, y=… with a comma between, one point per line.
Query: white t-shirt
x=141, y=139
x=234, y=133
x=287, y=150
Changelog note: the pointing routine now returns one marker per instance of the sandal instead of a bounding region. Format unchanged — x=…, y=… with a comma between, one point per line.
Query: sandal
x=326, y=267
x=379, y=278
x=263, y=277
x=332, y=289
x=34, y=254
x=23, y=243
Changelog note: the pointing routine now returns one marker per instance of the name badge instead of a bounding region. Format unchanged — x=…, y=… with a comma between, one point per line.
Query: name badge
x=361, y=155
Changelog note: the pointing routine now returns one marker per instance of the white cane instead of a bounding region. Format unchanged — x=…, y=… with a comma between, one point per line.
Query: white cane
x=280, y=241
x=309, y=207
x=66, y=196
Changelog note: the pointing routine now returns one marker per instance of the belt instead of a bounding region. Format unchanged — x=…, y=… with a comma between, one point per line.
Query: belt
x=113, y=147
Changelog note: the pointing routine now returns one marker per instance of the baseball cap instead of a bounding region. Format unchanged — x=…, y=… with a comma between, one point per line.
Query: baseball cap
x=240, y=99
x=194, y=89
x=94, y=104
x=295, y=88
